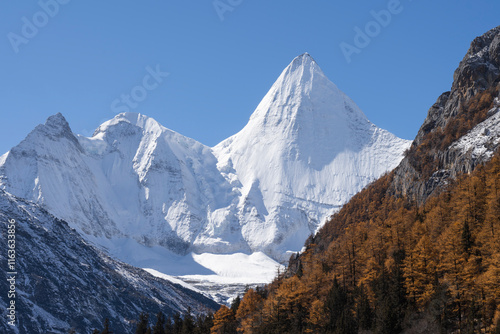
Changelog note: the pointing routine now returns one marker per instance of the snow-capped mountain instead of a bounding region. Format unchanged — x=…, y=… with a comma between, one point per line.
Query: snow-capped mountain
x=305, y=151
x=62, y=282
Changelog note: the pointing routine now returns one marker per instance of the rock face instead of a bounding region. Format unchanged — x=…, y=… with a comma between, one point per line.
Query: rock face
x=62, y=282
x=305, y=151
x=461, y=129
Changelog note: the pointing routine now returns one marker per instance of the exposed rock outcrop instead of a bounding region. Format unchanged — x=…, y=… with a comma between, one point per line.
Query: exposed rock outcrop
x=461, y=128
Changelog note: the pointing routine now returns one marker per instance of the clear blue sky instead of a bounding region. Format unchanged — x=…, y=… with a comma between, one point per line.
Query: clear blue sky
x=90, y=52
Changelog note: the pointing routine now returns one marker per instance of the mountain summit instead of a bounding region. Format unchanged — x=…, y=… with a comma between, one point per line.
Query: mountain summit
x=304, y=94
x=305, y=151
x=135, y=184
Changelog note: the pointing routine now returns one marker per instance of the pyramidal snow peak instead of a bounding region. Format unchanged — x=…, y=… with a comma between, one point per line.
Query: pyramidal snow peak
x=305, y=151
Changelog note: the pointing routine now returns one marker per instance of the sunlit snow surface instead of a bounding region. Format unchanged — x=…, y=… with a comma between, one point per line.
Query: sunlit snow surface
x=233, y=273
x=154, y=198
x=483, y=138
x=218, y=276
x=306, y=150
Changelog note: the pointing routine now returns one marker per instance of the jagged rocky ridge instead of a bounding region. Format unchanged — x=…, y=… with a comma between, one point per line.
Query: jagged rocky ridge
x=62, y=282
x=462, y=128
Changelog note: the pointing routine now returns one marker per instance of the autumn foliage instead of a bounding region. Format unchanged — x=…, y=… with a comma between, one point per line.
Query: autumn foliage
x=385, y=265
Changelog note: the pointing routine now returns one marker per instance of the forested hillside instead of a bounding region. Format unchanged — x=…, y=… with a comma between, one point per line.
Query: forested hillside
x=417, y=251
x=393, y=266
x=384, y=265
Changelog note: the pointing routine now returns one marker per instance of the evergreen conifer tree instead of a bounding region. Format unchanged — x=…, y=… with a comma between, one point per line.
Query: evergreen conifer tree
x=364, y=312
x=159, y=327
x=188, y=323
x=169, y=327
x=339, y=309
x=235, y=304
x=178, y=323
x=106, y=329
x=142, y=326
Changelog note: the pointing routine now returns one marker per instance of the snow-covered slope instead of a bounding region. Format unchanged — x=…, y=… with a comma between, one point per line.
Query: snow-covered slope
x=62, y=282
x=132, y=179
x=305, y=151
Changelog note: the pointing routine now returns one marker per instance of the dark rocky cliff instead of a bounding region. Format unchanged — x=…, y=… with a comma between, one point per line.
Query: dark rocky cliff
x=436, y=154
